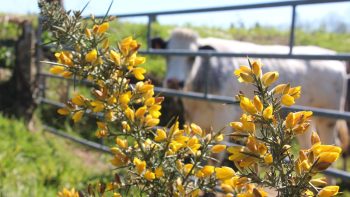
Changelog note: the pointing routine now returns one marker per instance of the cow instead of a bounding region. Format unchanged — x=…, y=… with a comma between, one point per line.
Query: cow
x=323, y=81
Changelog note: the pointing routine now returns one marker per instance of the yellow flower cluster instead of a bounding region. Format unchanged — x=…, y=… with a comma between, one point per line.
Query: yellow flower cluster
x=158, y=160
x=68, y=193
x=266, y=139
x=175, y=161
x=319, y=157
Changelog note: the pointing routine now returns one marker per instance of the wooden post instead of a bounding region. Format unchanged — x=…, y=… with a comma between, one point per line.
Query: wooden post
x=17, y=94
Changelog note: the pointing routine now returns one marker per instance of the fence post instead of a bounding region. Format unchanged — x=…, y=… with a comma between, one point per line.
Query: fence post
x=17, y=94
x=149, y=31
x=292, y=30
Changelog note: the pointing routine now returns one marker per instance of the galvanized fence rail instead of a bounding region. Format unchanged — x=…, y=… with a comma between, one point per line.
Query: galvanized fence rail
x=205, y=96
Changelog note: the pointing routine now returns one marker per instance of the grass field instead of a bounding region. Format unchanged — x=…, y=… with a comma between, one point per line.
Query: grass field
x=40, y=164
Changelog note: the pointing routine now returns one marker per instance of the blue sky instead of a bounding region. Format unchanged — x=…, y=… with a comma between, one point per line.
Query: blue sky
x=273, y=16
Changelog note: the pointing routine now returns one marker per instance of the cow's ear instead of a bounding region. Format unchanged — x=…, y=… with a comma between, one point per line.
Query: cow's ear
x=206, y=47
x=158, y=43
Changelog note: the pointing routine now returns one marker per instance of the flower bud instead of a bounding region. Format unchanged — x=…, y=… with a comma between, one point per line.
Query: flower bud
x=269, y=78
x=315, y=138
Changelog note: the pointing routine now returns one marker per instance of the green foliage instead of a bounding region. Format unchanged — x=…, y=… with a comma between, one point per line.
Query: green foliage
x=38, y=164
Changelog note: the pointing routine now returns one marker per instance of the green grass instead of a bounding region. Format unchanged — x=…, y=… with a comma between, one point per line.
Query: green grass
x=40, y=164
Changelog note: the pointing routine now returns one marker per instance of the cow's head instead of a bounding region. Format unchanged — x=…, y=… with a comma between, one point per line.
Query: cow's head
x=178, y=67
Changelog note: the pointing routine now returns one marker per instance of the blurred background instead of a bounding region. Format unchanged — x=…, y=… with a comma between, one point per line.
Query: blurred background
x=34, y=161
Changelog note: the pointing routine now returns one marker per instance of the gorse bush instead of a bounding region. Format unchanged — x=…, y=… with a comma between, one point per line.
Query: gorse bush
x=179, y=162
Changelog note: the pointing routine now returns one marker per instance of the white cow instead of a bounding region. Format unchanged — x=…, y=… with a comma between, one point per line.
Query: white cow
x=323, y=82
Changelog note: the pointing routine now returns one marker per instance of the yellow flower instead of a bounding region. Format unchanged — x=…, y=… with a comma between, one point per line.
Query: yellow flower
x=150, y=121
x=281, y=89
x=175, y=146
x=98, y=106
x=179, y=165
x=304, y=165
x=244, y=74
x=119, y=158
x=269, y=78
x=110, y=115
x=328, y=191
x=187, y=168
x=252, y=144
x=247, y=105
x=262, y=149
x=63, y=111
x=105, y=44
x=77, y=116
x=195, y=193
x=122, y=143
x=154, y=110
x=227, y=188
x=295, y=92
x=103, y=28
x=287, y=100
x=130, y=114
x=319, y=182
x=298, y=121
x=78, y=100
x=140, y=112
x=111, y=100
x=196, y=129
x=126, y=126
x=256, y=67
x=159, y=172
x=238, y=126
x=248, y=123
x=224, y=173
x=124, y=99
x=317, y=149
x=219, y=138
x=144, y=87
x=268, y=113
x=315, y=138
x=57, y=70
x=140, y=165
x=150, y=101
x=328, y=157
x=115, y=194
x=66, y=74
x=208, y=170
x=64, y=57
x=199, y=174
x=236, y=152
x=193, y=144
x=257, y=103
x=161, y=135
x=66, y=193
x=139, y=60
x=138, y=73
x=268, y=159
x=128, y=45
x=101, y=133
x=91, y=56
x=88, y=33
x=149, y=175
x=218, y=148
x=115, y=57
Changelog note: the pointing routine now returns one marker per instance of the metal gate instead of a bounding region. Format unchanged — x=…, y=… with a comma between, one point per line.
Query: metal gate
x=205, y=96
